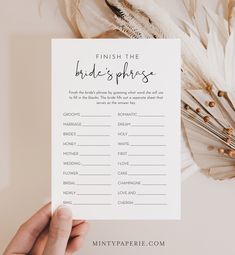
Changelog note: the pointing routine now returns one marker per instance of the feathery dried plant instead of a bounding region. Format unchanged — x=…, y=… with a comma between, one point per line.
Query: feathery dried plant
x=208, y=72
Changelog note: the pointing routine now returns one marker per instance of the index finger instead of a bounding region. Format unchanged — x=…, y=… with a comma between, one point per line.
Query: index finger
x=27, y=234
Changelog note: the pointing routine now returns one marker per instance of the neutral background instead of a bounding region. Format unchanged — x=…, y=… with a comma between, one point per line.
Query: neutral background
x=208, y=207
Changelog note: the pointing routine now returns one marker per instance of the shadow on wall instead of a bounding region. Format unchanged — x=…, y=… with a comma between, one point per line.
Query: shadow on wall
x=29, y=184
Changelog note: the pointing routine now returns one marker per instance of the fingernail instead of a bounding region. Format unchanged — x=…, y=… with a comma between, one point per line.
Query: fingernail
x=64, y=212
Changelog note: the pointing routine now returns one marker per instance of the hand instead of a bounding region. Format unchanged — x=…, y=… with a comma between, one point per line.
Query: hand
x=46, y=235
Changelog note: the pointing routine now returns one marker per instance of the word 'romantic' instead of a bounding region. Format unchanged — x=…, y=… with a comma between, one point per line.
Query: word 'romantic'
x=109, y=75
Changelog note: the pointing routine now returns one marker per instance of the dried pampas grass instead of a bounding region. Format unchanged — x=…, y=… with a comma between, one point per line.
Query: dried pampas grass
x=114, y=33
x=70, y=10
x=208, y=73
x=231, y=14
x=191, y=7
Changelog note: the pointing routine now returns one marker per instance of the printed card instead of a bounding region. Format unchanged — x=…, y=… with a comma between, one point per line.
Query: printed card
x=116, y=128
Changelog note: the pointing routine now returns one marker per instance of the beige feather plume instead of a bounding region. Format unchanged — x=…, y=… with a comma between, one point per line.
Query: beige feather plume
x=191, y=7
x=114, y=33
x=71, y=11
x=208, y=73
x=231, y=14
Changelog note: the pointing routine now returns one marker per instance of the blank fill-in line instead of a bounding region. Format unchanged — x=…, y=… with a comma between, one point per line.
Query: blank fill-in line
x=154, y=116
x=147, y=174
x=95, y=155
x=154, y=184
x=146, y=155
x=98, y=116
x=147, y=164
x=94, y=145
x=94, y=184
x=145, y=194
x=80, y=194
x=91, y=204
x=148, y=145
x=95, y=164
x=95, y=125
x=95, y=174
x=93, y=135
x=146, y=135
x=147, y=125
x=148, y=204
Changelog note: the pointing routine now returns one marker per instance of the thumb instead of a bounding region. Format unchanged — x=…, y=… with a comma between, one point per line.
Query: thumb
x=59, y=232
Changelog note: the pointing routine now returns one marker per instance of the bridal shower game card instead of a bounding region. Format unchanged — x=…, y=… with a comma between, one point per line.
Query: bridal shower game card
x=116, y=128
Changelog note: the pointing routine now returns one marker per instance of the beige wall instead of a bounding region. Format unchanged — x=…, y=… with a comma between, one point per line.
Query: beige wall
x=208, y=207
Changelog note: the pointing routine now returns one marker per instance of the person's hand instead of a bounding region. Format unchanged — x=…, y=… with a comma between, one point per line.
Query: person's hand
x=46, y=235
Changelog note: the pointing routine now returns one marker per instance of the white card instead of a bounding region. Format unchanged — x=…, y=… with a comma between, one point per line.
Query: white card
x=116, y=128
